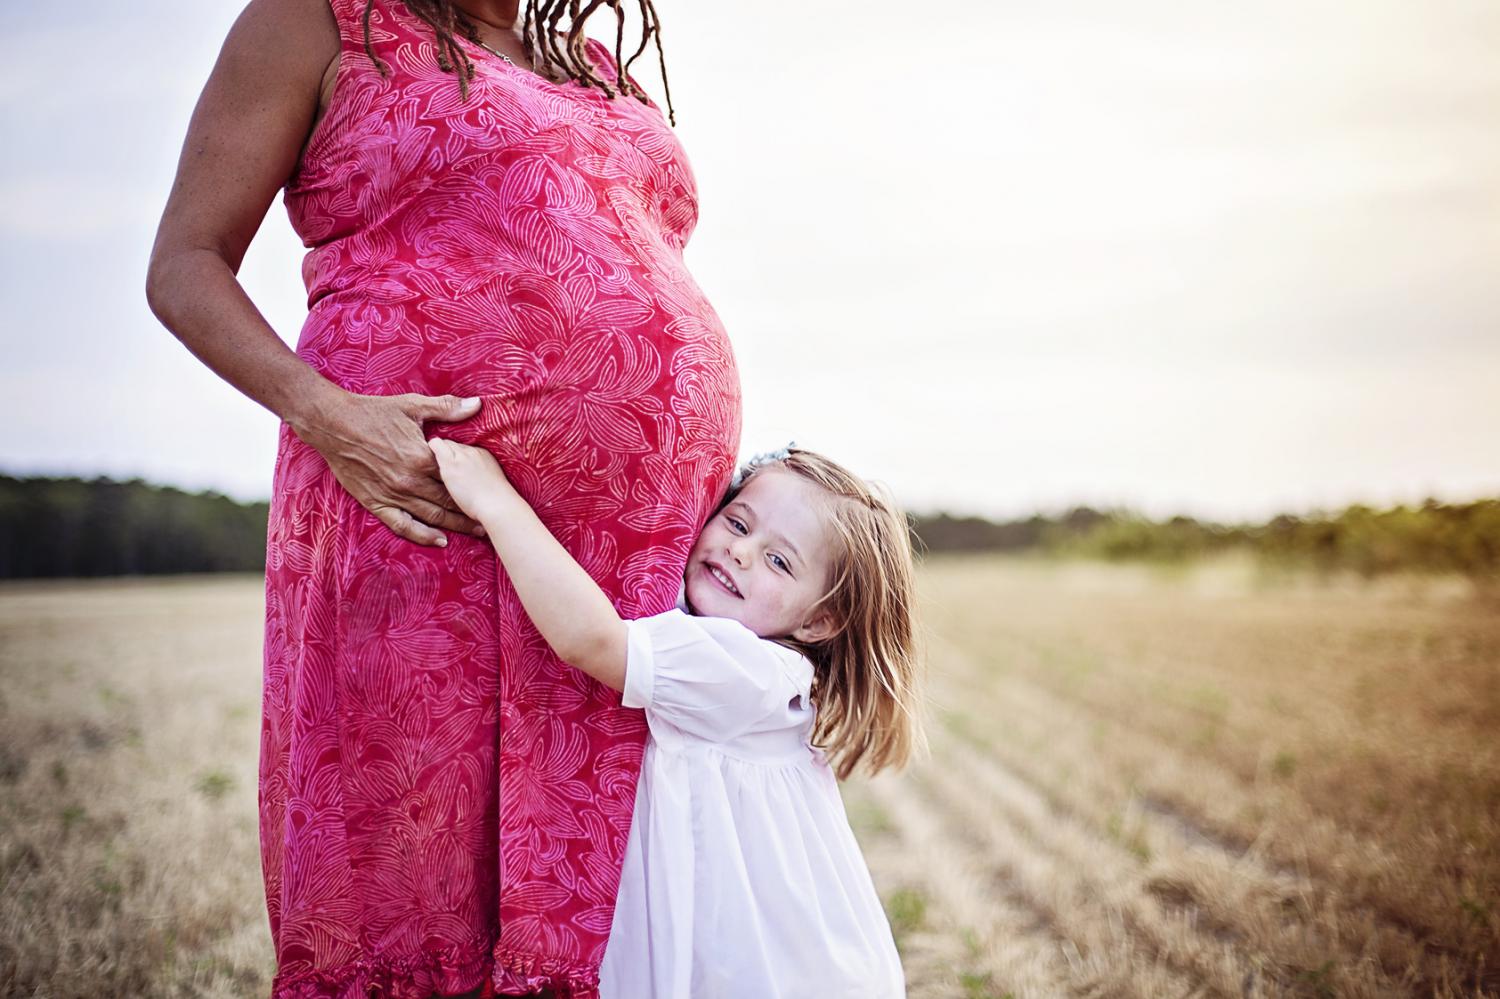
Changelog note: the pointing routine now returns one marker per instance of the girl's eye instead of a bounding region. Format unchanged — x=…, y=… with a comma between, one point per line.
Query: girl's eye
x=780, y=563
x=737, y=525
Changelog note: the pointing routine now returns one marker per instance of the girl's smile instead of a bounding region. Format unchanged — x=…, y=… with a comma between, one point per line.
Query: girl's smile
x=764, y=559
x=720, y=576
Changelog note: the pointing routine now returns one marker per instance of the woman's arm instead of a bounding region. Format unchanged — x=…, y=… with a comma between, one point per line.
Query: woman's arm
x=565, y=604
x=243, y=142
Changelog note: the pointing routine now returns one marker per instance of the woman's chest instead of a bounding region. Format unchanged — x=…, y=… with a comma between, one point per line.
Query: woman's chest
x=384, y=139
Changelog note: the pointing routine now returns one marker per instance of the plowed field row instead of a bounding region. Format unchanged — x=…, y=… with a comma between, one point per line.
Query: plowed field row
x=1255, y=822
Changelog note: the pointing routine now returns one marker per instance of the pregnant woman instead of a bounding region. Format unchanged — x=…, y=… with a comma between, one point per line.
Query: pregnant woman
x=495, y=216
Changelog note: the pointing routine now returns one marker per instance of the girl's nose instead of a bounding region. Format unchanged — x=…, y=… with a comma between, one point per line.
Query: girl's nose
x=737, y=550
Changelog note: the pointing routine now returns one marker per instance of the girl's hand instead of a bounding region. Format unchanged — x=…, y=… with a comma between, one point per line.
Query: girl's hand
x=473, y=478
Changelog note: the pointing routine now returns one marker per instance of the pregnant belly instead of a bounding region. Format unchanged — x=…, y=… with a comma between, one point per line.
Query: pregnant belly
x=608, y=364
x=598, y=407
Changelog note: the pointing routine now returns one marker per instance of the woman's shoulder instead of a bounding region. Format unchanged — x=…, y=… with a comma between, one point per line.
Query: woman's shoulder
x=286, y=43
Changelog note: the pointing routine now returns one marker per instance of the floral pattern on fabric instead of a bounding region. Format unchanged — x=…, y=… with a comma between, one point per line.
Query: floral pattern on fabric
x=441, y=800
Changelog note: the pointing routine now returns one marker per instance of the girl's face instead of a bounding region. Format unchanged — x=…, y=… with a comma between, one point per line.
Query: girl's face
x=765, y=559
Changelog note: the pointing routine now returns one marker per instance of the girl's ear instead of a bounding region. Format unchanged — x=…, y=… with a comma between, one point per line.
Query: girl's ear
x=817, y=628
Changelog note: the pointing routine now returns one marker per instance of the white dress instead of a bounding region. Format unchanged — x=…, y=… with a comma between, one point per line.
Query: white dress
x=742, y=879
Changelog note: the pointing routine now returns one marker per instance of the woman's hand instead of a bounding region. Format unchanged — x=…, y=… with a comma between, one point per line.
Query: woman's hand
x=473, y=478
x=376, y=449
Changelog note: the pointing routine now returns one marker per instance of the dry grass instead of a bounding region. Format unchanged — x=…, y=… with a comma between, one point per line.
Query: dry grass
x=129, y=741
x=1206, y=781
x=1202, y=783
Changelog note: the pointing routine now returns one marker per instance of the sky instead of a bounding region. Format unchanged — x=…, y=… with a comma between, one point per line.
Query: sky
x=1182, y=257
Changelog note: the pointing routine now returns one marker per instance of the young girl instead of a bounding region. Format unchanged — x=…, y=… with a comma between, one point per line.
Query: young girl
x=790, y=649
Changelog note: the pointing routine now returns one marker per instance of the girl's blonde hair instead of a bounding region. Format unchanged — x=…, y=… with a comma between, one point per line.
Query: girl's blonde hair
x=866, y=674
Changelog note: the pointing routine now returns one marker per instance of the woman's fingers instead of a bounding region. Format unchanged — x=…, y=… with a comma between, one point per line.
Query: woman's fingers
x=441, y=408
x=433, y=493
x=407, y=526
x=421, y=514
x=434, y=512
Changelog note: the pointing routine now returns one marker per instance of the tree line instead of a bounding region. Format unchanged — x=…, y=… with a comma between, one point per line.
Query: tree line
x=1432, y=537
x=53, y=527
x=69, y=527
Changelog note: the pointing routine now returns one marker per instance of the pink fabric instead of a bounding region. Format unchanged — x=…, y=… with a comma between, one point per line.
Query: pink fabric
x=442, y=802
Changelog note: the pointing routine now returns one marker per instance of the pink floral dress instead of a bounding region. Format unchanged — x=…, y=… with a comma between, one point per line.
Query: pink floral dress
x=442, y=802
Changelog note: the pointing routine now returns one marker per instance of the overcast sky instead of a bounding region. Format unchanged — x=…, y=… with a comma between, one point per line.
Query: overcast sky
x=1225, y=260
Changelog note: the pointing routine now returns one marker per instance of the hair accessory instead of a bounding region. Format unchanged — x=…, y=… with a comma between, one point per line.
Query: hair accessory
x=764, y=458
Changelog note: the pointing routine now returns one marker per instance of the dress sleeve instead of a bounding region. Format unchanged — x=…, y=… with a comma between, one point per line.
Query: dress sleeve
x=710, y=678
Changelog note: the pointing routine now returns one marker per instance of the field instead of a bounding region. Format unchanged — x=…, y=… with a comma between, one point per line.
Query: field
x=1200, y=782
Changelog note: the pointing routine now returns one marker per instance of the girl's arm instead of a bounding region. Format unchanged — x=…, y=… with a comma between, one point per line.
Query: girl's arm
x=565, y=604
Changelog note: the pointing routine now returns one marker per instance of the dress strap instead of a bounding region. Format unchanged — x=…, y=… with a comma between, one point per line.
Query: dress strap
x=384, y=22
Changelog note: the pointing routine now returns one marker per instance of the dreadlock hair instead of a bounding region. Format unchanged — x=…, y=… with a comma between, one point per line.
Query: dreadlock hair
x=866, y=675
x=539, y=36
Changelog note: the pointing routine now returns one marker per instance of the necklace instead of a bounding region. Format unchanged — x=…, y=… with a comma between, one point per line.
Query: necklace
x=497, y=52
